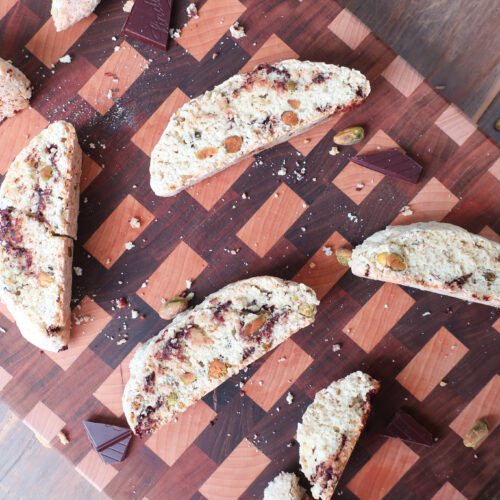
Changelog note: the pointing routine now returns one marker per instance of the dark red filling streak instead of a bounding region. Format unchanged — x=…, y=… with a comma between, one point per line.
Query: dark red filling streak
x=459, y=282
x=11, y=238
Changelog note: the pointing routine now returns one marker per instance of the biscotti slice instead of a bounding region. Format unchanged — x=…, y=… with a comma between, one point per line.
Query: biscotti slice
x=204, y=346
x=15, y=90
x=285, y=486
x=44, y=179
x=433, y=256
x=35, y=279
x=65, y=13
x=330, y=429
x=248, y=113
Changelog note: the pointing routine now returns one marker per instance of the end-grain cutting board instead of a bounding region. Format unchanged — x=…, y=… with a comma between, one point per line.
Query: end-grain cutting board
x=436, y=356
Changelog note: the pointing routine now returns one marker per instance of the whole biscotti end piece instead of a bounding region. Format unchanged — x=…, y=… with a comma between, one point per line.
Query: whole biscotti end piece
x=330, y=429
x=44, y=179
x=15, y=90
x=248, y=113
x=204, y=346
x=433, y=256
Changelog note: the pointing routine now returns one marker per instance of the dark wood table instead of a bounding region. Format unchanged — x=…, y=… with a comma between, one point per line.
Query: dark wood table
x=454, y=45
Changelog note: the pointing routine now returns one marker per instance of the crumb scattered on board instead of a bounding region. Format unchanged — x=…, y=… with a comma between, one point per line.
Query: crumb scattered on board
x=237, y=31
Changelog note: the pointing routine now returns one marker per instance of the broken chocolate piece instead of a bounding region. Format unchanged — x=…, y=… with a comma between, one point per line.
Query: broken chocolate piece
x=403, y=426
x=149, y=22
x=393, y=163
x=110, y=442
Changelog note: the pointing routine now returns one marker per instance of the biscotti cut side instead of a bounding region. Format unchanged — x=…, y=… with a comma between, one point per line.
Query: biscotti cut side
x=15, y=90
x=35, y=279
x=433, y=256
x=44, y=179
x=65, y=13
x=204, y=346
x=248, y=113
x=285, y=486
x=330, y=429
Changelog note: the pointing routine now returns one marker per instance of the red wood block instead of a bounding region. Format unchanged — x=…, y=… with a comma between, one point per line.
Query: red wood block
x=95, y=471
x=279, y=372
x=48, y=45
x=238, y=471
x=274, y=49
x=88, y=320
x=455, y=124
x=5, y=6
x=272, y=220
x=90, y=170
x=496, y=325
x=113, y=78
x=432, y=363
x=44, y=422
x=149, y=134
x=208, y=192
x=5, y=312
x=486, y=404
x=349, y=29
x=495, y=169
x=184, y=478
x=402, y=76
x=353, y=176
x=107, y=244
x=174, y=438
x=215, y=18
x=432, y=203
x=487, y=232
x=374, y=320
x=384, y=469
x=448, y=492
x=110, y=392
x=322, y=271
x=181, y=265
x=16, y=132
x=5, y=378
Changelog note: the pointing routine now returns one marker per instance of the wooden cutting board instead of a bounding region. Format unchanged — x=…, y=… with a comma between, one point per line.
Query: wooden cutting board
x=436, y=356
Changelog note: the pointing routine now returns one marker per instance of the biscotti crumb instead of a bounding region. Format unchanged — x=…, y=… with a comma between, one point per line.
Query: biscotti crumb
x=327, y=251
x=121, y=341
x=65, y=59
x=406, y=211
x=135, y=223
x=192, y=11
x=282, y=171
x=134, y=314
x=175, y=32
x=289, y=398
x=188, y=284
x=78, y=270
x=237, y=31
x=127, y=7
x=63, y=438
x=129, y=245
x=336, y=347
x=334, y=151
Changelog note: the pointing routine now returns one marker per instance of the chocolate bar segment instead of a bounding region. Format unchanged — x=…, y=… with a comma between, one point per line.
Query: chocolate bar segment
x=110, y=441
x=403, y=426
x=393, y=163
x=149, y=21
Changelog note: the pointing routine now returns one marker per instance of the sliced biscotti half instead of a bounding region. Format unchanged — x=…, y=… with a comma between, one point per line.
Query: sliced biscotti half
x=65, y=13
x=285, y=486
x=433, y=256
x=330, y=429
x=248, y=113
x=44, y=179
x=15, y=90
x=35, y=279
x=204, y=346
